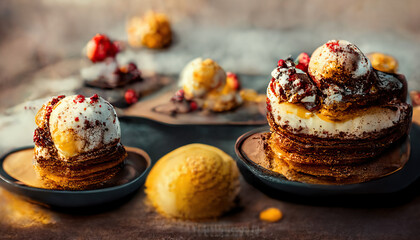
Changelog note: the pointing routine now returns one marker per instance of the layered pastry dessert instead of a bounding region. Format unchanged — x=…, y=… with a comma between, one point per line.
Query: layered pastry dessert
x=77, y=142
x=105, y=72
x=332, y=123
x=195, y=181
x=204, y=86
x=153, y=30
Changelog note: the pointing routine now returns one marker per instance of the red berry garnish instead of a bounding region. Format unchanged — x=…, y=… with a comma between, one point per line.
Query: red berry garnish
x=179, y=96
x=94, y=98
x=281, y=63
x=131, y=96
x=100, y=47
x=233, y=81
x=79, y=99
x=193, y=106
x=303, y=64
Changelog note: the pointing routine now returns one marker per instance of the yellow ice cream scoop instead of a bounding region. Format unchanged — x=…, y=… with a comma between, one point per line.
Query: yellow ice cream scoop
x=195, y=181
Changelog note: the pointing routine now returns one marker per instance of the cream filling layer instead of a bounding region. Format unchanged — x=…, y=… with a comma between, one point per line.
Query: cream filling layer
x=302, y=121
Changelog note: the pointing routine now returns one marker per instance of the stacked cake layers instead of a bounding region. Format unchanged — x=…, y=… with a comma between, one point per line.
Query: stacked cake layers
x=334, y=123
x=77, y=143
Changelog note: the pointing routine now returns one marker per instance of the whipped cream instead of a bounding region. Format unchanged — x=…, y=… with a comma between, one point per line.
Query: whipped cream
x=78, y=124
x=201, y=76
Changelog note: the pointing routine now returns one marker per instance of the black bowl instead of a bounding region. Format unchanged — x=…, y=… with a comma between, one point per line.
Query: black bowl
x=127, y=181
x=272, y=182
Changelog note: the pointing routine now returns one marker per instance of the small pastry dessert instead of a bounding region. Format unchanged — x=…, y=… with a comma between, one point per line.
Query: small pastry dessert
x=77, y=142
x=153, y=30
x=195, y=181
x=205, y=86
x=101, y=47
x=331, y=124
x=105, y=71
x=206, y=89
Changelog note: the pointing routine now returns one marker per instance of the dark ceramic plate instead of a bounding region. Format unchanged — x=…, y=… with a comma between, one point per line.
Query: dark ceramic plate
x=271, y=181
x=17, y=175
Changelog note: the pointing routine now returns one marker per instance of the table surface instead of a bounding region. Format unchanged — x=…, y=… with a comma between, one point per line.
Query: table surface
x=43, y=56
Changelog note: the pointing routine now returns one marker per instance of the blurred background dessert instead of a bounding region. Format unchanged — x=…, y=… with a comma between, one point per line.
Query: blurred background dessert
x=153, y=30
x=243, y=38
x=77, y=142
x=194, y=181
x=106, y=72
x=204, y=82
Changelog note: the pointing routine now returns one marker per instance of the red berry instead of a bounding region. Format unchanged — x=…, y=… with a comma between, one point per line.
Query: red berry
x=100, y=47
x=231, y=75
x=233, y=81
x=193, y=106
x=303, y=64
x=304, y=58
x=179, y=96
x=131, y=96
x=94, y=99
x=281, y=63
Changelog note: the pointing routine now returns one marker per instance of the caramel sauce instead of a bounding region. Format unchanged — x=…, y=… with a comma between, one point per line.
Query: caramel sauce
x=329, y=116
x=298, y=110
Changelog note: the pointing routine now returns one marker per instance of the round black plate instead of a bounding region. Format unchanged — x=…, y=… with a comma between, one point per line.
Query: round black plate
x=131, y=178
x=272, y=181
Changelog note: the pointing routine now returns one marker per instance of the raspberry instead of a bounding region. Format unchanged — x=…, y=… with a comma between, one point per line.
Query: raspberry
x=100, y=47
x=281, y=63
x=193, y=106
x=130, y=96
x=94, y=98
x=232, y=81
x=303, y=64
x=179, y=96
